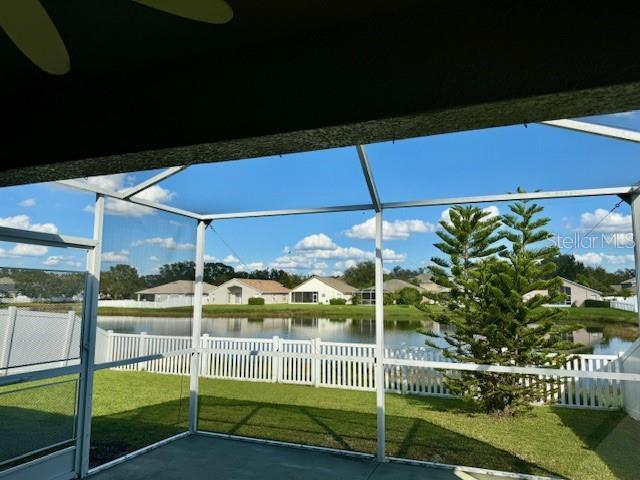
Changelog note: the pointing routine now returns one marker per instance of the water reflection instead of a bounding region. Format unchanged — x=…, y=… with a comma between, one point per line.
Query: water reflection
x=397, y=333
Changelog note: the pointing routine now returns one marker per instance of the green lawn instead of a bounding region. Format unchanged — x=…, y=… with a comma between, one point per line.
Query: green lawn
x=392, y=312
x=134, y=409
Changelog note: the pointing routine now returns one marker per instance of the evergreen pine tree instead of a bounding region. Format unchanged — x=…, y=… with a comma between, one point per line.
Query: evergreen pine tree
x=497, y=280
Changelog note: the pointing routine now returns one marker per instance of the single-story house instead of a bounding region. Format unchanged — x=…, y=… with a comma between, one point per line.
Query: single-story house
x=318, y=289
x=7, y=287
x=426, y=283
x=575, y=293
x=629, y=284
x=240, y=290
x=177, y=290
x=393, y=285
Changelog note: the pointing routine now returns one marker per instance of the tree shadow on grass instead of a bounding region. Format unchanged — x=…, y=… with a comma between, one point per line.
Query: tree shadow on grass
x=613, y=436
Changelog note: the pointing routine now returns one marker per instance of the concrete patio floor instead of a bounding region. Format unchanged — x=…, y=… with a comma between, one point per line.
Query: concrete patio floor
x=201, y=457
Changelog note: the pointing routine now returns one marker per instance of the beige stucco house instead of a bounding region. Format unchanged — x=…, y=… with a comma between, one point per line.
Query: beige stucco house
x=177, y=290
x=318, y=289
x=238, y=291
x=576, y=294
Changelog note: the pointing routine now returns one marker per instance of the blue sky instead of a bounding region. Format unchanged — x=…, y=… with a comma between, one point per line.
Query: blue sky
x=471, y=163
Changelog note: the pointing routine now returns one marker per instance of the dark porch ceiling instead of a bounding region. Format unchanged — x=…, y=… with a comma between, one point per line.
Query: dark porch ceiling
x=148, y=89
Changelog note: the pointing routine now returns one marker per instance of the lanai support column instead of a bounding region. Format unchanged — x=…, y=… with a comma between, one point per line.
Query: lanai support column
x=379, y=370
x=196, y=327
x=88, y=344
x=634, y=202
x=380, y=406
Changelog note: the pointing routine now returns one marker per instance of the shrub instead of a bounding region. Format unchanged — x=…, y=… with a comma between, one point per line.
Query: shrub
x=355, y=300
x=591, y=303
x=256, y=301
x=389, y=299
x=408, y=296
x=337, y=301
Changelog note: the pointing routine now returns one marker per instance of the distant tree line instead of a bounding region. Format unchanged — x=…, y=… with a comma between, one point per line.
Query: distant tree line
x=594, y=277
x=41, y=284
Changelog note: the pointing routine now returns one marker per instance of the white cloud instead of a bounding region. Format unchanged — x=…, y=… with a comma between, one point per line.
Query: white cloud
x=249, y=267
x=153, y=258
x=308, y=258
x=317, y=241
x=28, y=203
x=619, y=239
x=113, y=206
x=594, y=259
x=53, y=260
x=230, y=259
x=492, y=210
x=23, y=222
x=25, y=250
x=614, y=222
x=211, y=259
x=343, y=265
x=168, y=242
x=114, y=257
x=317, y=271
x=395, y=230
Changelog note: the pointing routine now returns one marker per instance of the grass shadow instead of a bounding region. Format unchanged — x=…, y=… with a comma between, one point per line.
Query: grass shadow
x=615, y=442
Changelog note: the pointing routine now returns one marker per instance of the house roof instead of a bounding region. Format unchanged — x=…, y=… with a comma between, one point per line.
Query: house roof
x=394, y=284
x=424, y=278
x=629, y=280
x=335, y=283
x=7, y=281
x=264, y=286
x=581, y=286
x=177, y=287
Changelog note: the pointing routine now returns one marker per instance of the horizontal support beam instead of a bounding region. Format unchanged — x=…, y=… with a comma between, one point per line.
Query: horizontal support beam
x=595, y=129
x=169, y=172
x=146, y=358
x=292, y=211
x=39, y=375
x=44, y=238
x=88, y=187
x=549, y=372
x=509, y=197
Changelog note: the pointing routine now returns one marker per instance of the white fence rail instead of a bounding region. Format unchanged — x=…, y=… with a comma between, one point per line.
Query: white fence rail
x=629, y=306
x=31, y=340
x=340, y=365
x=168, y=303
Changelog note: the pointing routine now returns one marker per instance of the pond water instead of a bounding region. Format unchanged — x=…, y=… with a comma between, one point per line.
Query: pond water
x=397, y=333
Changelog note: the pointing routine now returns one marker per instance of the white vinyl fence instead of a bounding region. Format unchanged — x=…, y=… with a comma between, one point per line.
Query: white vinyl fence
x=630, y=305
x=186, y=301
x=339, y=365
x=31, y=340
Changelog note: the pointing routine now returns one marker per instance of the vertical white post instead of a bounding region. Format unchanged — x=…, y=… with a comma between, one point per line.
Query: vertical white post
x=88, y=345
x=68, y=337
x=315, y=370
x=109, y=346
x=380, y=413
x=196, y=328
x=275, y=360
x=635, y=220
x=5, y=359
x=142, y=351
x=206, y=364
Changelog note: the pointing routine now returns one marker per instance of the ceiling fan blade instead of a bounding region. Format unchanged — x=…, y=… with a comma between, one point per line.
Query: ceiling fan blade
x=28, y=25
x=209, y=11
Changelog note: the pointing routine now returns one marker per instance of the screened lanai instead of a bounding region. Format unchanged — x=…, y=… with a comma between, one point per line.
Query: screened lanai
x=249, y=405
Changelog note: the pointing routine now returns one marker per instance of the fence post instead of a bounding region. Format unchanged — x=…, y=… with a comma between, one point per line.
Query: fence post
x=12, y=315
x=275, y=360
x=204, y=343
x=110, y=346
x=315, y=363
x=142, y=350
x=68, y=337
